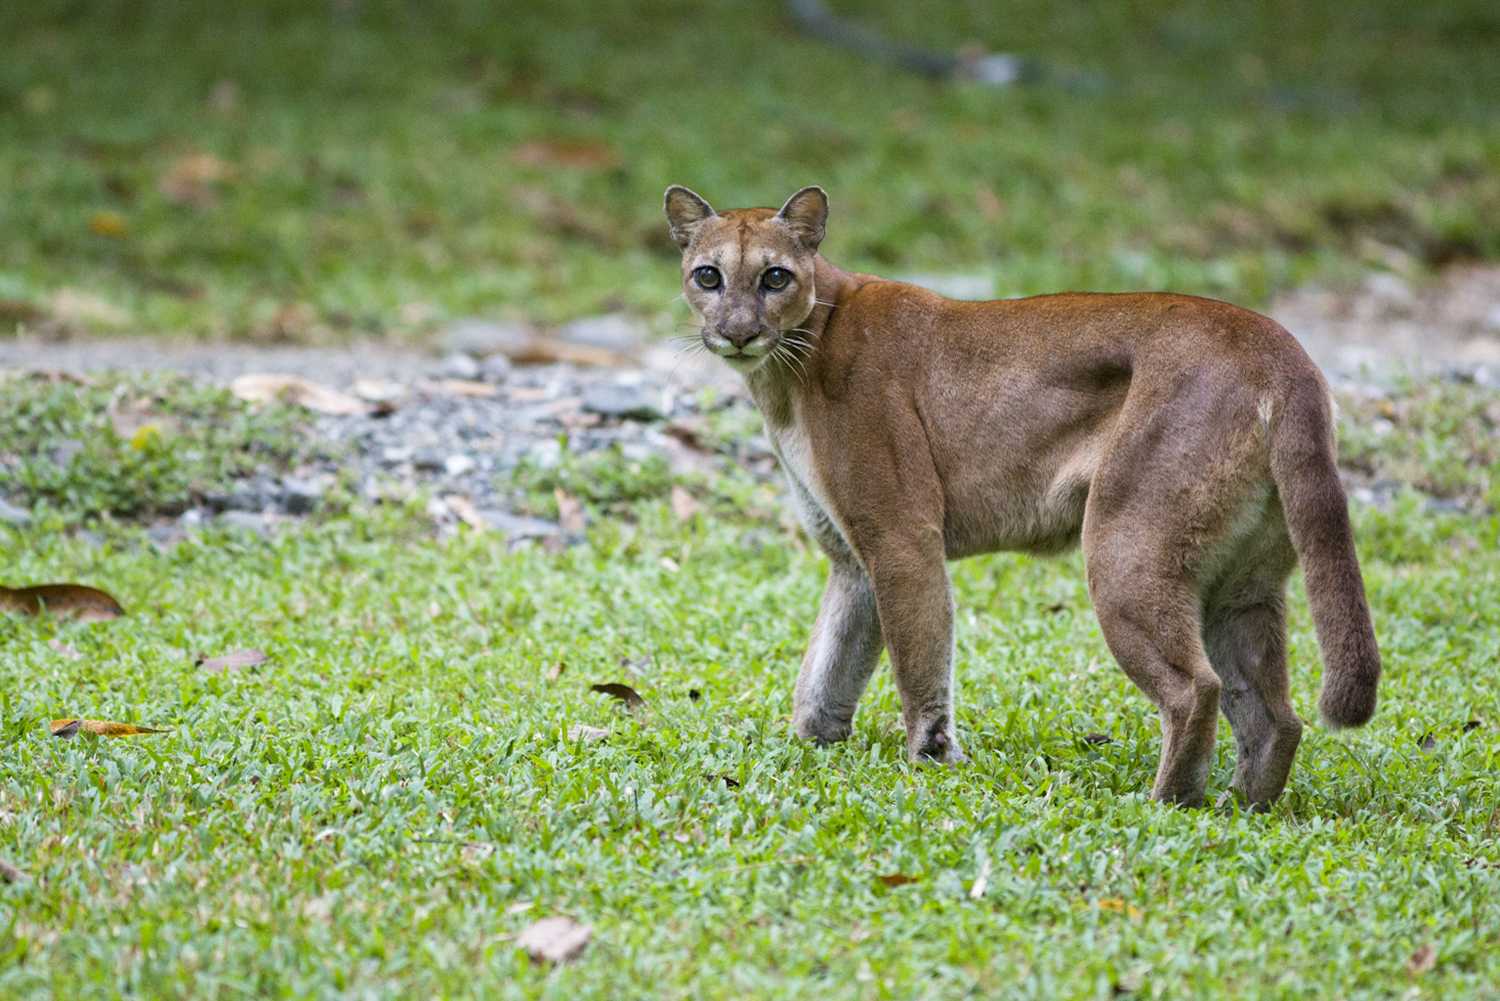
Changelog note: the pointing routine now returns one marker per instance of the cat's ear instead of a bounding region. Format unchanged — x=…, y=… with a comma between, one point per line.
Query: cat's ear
x=806, y=213
x=685, y=211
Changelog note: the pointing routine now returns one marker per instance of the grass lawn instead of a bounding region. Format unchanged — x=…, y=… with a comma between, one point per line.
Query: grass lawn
x=382, y=807
x=316, y=170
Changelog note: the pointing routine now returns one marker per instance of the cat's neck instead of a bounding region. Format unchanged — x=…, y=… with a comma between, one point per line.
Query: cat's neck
x=773, y=384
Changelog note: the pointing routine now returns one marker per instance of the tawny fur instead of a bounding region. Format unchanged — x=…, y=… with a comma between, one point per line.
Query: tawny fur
x=1186, y=442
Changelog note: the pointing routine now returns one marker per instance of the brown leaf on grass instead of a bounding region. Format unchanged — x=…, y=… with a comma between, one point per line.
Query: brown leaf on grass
x=72, y=307
x=1424, y=959
x=556, y=671
x=10, y=873
x=683, y=504
x=194, y=179
x=584, y=734
x=465, y=511
x=110, y=224
x=66, y=601
x=555, y=940
x=1098, y=738
x=569, y=513
x=580, y=154
x=624, y=693
x=61, y=648
x=270, y=387
x=1119, y=906
x=896, y=879
x=20, y=311
x=71, y=727
x=236, y=660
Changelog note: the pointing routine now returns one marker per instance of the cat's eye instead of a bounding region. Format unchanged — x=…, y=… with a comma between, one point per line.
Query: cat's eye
x=776, y=279
x=707, y=277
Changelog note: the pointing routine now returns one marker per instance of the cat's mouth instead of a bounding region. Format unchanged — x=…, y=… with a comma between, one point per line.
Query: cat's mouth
x=745, y=354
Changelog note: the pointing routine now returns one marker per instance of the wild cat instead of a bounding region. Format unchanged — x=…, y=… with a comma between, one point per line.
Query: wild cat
x=1187, y=443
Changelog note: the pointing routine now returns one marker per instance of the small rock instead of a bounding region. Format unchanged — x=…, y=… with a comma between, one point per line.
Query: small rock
x=459, y=366
x=615, y=400
x=429, y=460
x=495, y=368
x=395, y=455
x=299, y=496
x=12, y=515
x=1390, y=289
x=517, y=528
x=457, y=465
x=244, y=521
x=481, y=338
x=615, y=332
x=63, y=452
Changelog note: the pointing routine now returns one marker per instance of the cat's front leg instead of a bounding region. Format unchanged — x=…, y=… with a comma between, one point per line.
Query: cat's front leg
x=841, y=656
x=915, y=602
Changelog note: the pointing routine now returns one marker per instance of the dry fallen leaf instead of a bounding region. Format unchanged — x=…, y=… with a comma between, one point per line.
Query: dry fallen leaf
x=74, y=308
x=270, y=387
x=982, y=880
x=1098, y=738
x=461, y=387
x=569, y=512
x=66, y=728
x=896, y=879
x=70, y=601
x=552, y=351
x=1424, y=959
x=465, y=511
x=1119, y=906
x=236, y=660
x=63, y=649
x=555, y=940
x=10, y=873
x=683, y=504
x=194, y=179
x=583, y=154
x=107, y=223
x=556, y=671
x=383, y=392
x=624, y=693
x=582, y=733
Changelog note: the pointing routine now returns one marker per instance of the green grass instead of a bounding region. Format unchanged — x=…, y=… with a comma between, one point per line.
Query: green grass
x=375, y=167
x=381, y=808
x=129, y=446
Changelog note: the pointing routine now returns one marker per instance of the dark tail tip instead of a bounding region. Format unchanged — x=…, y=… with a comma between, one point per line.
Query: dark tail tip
x=1349, y=701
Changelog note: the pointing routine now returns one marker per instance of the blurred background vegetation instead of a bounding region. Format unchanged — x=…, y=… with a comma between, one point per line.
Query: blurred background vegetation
x=325, y=170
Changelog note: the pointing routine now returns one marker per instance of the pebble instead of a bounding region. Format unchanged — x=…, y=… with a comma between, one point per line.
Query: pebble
x=300, y=496
x=480, y=338
x=622, y=401
x=12, y=515
x=459, y=366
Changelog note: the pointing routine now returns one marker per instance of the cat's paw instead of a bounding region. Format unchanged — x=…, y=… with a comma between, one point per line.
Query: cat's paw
x=820, y=728
x=936, y=742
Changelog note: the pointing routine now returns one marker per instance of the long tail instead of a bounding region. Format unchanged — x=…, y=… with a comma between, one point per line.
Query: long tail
x=1317, y=515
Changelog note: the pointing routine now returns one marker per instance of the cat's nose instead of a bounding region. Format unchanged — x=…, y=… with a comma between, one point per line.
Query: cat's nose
x=740, y=338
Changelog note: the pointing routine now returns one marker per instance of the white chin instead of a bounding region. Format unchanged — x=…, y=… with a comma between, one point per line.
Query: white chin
x=745, y=364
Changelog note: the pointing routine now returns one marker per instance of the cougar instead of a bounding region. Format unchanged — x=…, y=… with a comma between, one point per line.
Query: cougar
x=1188, y=444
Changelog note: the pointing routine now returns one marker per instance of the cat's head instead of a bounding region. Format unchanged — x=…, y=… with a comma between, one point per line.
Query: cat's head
x=748, y=273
